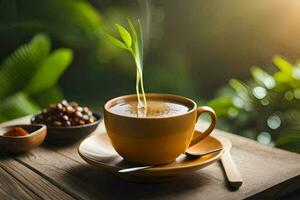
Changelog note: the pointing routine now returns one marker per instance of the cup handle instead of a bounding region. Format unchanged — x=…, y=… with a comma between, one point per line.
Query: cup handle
x=205, y=109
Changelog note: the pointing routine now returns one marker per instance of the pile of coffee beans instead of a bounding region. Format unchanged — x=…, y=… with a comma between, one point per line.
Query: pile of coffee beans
x=65, y=114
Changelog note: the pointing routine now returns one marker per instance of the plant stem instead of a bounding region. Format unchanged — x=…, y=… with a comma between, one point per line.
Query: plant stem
x=144, y=95
x=140, y=80
x=137, y=86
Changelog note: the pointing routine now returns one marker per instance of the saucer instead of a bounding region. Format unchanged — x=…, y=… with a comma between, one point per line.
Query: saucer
x=98, y=151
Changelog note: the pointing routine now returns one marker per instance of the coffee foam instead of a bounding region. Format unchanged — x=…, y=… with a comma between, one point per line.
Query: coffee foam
x=155, y=108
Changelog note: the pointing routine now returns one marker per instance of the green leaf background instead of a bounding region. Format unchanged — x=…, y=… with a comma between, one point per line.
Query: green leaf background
x=29, y=77
x=243, y=113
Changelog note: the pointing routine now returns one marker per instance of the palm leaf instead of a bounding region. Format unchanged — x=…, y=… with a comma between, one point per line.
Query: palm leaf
x=50, y=71
x=17, y=106
x=48, y=96
x=17, y=69
x=76, y=23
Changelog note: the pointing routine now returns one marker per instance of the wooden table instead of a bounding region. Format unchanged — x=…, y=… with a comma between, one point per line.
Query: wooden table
x=59, y=173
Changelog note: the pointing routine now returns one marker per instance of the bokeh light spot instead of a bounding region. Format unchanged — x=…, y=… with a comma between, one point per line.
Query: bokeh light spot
x=238, y=102
x=259, y=92
x=274, y=121
x=232, y=112
x=296, y=73
x=297, y=93
x=264, y=102
x=264, y=138
x=289, y=95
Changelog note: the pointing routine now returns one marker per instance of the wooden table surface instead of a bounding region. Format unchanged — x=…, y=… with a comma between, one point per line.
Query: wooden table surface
x=50, y=172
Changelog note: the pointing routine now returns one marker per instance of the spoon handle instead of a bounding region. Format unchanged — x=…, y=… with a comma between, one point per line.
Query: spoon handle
x=134, y=169
x=231, y=170
x=187, y=153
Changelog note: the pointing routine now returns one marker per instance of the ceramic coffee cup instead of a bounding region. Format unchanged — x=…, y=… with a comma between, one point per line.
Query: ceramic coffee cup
x=155, y=140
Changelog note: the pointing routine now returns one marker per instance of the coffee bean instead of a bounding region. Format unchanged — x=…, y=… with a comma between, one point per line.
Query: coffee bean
x=70, y=109
x=78, y=114
x=79, y=109
x=74, y=104
x=65, y=117
x=65, y=114
x=64, y=103
x=57, y=123
x=67, y=123
x=81, y=122
x=91, y=120
x=85, y=110
x=85, y=117
x=59, y=106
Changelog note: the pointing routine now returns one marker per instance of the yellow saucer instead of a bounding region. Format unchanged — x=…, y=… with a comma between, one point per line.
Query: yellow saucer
x=98, y=151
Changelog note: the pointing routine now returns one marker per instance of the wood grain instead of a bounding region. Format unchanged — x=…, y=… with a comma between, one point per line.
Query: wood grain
x=33, y=181
x=267, y=172
x=11, y=188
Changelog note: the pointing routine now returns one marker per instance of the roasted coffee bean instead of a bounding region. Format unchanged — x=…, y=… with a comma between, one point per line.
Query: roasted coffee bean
x=81, y=122
x=78, y=114
x=65, y=114
x=64, y=109
x=65, y=117
x=70, y=109
x=64, y=103
x=67, y=123
x=91, y=119
x=85, y=110
x=57, y=123
x=59, y=106
x=85, y=117
x=74, y=104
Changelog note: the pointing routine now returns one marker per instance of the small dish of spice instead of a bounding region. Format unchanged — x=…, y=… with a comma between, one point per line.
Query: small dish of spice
x=67, y=121
x=22, y=138
x=14, y=132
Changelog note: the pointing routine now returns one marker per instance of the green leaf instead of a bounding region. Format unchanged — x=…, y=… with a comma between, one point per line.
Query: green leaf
x=16, y=70
x=283, y=65
x=241, y=89
x=132, y=29
x=282, y=77
x=50, y=71
x=287, y=138
x=263, y=77
x=48, y=96
x=136, y=52
x=134, y=38
x=125, y=35
x=141, y=43
x=221, y=105
x=16, y=106
x=237, y=85
x=115, y=41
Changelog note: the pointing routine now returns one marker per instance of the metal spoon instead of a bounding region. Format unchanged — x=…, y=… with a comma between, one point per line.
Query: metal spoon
x=189, y=153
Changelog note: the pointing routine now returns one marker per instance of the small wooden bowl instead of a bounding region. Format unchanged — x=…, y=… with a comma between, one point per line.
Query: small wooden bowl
x=61, y=135
x=37, y=134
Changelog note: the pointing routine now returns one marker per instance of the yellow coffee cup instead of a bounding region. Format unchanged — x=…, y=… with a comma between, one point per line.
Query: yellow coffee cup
x=155, y=140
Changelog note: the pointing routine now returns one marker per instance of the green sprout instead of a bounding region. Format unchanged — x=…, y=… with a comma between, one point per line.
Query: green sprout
x=133, y=42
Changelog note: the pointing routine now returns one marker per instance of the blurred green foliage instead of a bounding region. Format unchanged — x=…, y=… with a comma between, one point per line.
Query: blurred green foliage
x=28, y=77
x=79, y=25
x=266, y=108
x=183, y=52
